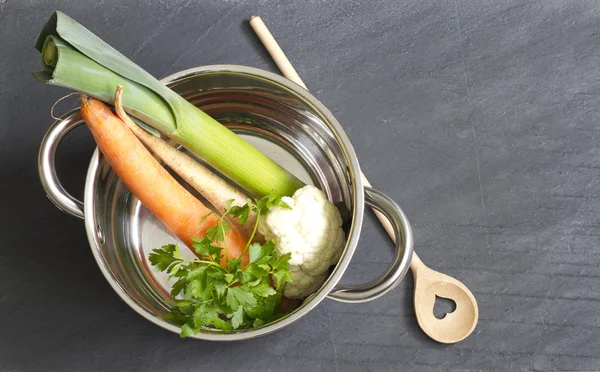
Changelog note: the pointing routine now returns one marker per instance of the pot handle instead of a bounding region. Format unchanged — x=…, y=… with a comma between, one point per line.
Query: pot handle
x=399, y=267
x=46, y=166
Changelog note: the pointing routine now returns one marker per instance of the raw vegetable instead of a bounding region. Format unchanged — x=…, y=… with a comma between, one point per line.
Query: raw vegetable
x=75, y=58
x=231, y=296
x=212, y=187
x=171, y=203
x=310, y=229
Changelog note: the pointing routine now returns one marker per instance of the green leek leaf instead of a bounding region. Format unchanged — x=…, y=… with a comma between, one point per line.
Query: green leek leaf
x=73, y=57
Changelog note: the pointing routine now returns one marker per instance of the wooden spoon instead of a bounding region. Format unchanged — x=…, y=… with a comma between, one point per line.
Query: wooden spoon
x=429, y=284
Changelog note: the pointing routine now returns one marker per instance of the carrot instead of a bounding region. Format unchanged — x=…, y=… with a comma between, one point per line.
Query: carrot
x=143, y=175
x=216, y=190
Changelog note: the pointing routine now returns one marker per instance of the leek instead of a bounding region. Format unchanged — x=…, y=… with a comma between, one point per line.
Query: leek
x=73, y=57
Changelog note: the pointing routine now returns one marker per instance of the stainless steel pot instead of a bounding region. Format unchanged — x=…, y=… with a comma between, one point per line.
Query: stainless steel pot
x=281, y=119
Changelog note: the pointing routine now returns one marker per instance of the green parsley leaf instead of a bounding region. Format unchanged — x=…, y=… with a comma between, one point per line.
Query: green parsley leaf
x=187, y=330
x=220, y=288
x=241, y=213
x=205, y=315
x=282, y=262
x=282, y=277
x=211, y=232
x=177, y=253
x=262, y=254
x=273, y=201
x=222, y=324
x=178, y=286
x=202, y=246
x=265, y=308
x=183, y=305
x=225, y=227
x=217, y=233
x=243, y=296
x=234, y=264
x=269, y=202
x=253, y=273
x=196, y=273
x=163, y=257
x=177, y=317
x=182, y=272
x=252, y=283
x=195, y=289
x=281, y=270
x=229, y=278
x=238, y=318
x=261, y=203
x=232, y=301
x=173, y=269
x=263, y=289
x=255, y=252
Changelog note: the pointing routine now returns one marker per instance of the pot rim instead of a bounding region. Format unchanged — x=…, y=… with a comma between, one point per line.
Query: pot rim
x=358, y=204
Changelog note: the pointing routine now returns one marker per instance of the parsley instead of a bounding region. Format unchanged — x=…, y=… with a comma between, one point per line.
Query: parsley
x=225, y=297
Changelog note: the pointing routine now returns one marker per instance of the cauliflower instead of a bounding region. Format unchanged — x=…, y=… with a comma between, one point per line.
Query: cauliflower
x=311, y=230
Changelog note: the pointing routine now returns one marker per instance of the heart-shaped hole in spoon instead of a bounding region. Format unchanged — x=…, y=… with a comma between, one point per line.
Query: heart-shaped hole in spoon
x=433, y=289
x=443, y=306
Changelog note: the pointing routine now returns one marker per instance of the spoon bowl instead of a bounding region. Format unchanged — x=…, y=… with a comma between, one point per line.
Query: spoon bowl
x=429, y=284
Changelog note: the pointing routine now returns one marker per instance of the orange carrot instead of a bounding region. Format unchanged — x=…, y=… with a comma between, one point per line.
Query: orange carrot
x=212, y=187
x=143, y=175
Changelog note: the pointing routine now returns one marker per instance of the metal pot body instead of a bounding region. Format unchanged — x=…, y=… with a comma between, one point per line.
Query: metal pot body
x=278, y=117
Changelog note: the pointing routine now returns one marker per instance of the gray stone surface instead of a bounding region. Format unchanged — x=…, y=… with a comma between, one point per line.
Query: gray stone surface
x=480, y=118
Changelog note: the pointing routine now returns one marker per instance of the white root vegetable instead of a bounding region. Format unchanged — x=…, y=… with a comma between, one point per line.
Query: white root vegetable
x=216, y=190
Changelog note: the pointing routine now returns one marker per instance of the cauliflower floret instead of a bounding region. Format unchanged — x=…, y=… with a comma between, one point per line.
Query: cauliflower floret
x=311, y=230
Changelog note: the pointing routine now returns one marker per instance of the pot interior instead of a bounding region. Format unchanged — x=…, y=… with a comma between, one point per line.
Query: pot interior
x=272, y=117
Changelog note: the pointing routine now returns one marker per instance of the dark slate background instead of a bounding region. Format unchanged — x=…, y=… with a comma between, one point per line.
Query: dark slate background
x=479, y=118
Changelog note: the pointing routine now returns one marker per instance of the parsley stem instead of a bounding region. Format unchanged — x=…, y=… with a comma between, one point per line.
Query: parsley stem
x=209, y=263
x=251, y=236
x=224, y=241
